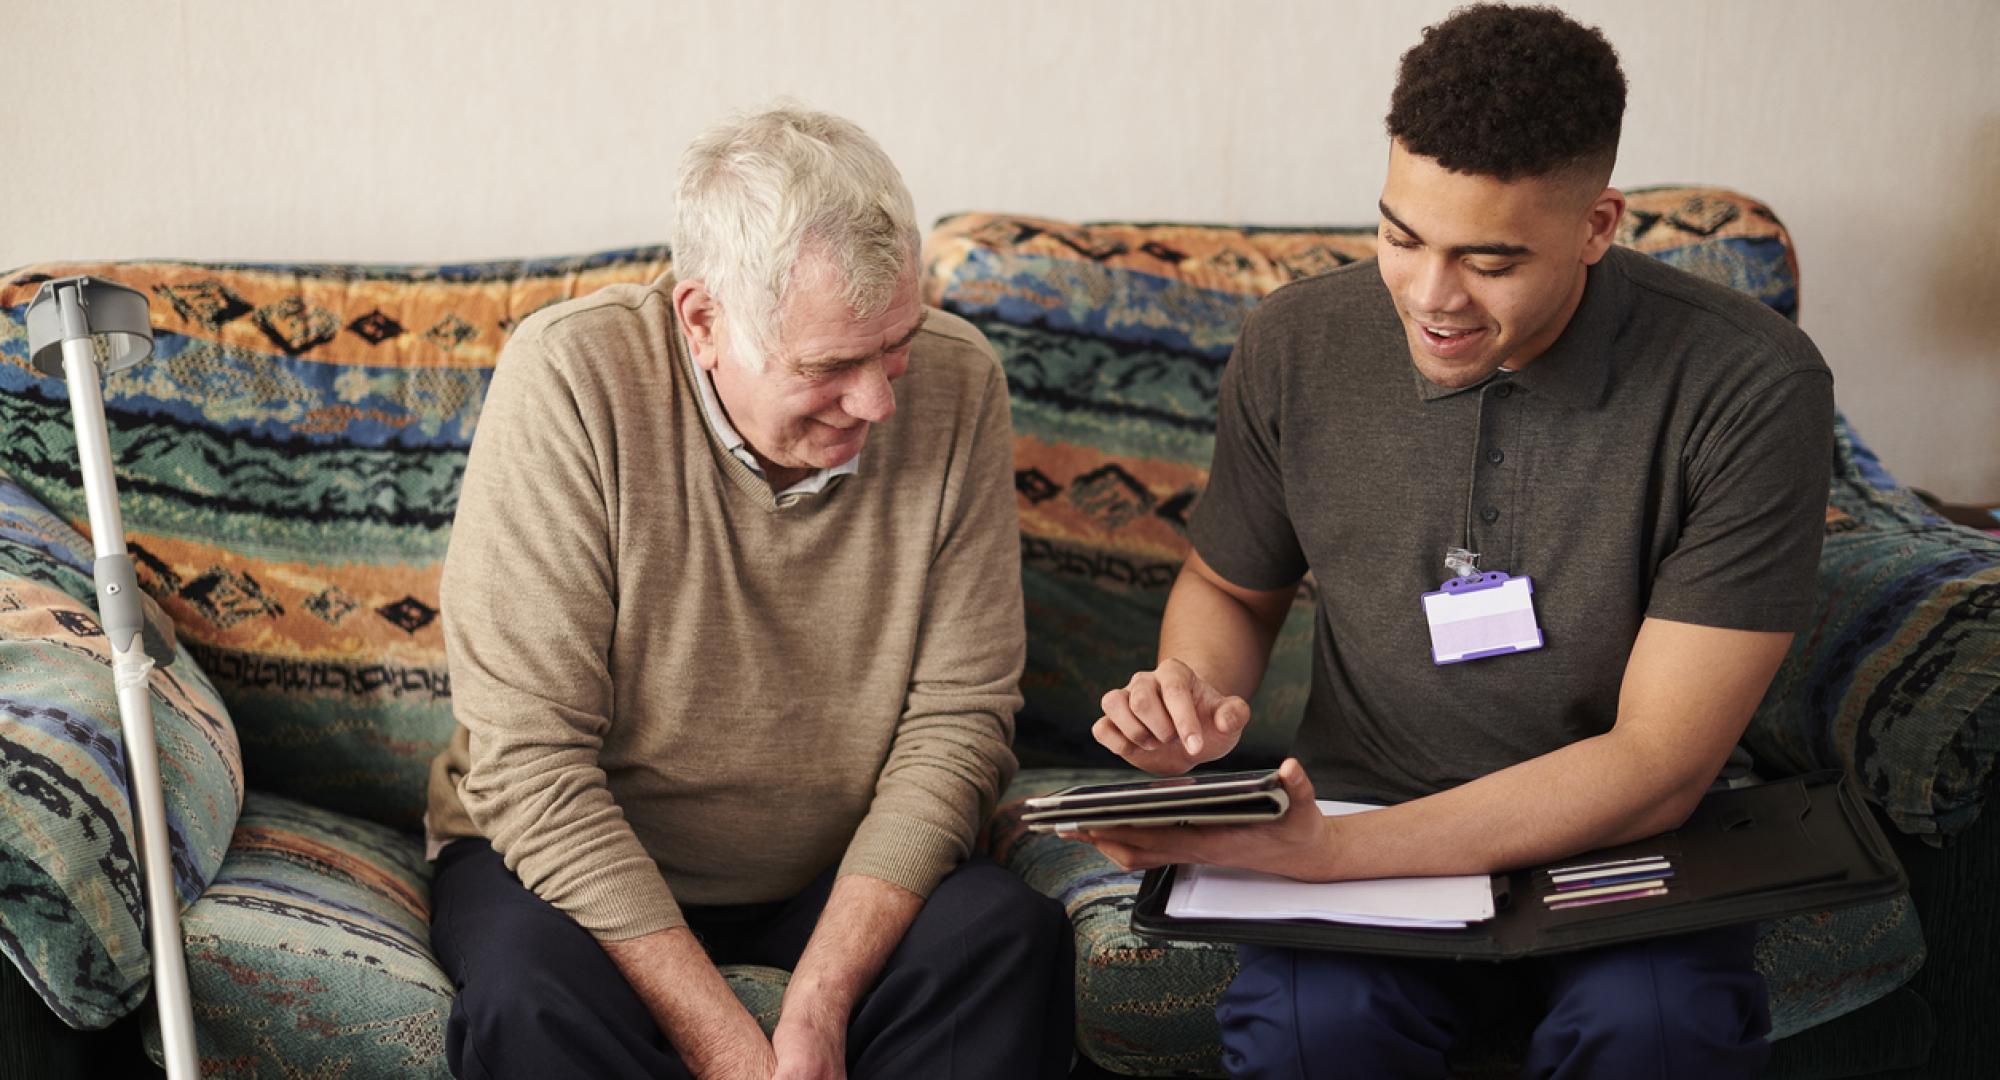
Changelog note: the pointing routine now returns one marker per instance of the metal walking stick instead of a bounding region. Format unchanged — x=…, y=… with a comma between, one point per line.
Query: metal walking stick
x=81, y=329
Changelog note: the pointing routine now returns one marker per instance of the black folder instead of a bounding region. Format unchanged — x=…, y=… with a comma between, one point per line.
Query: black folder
x=1807, y=843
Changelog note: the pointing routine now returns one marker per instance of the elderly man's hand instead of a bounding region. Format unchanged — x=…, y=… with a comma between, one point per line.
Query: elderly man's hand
x=1297, y=845
x=1168, y=720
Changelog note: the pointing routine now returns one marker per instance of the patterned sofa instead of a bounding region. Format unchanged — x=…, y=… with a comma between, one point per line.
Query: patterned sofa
x=289, y=463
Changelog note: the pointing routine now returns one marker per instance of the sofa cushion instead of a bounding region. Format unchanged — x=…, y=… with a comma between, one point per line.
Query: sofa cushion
x=1146, y=1007
x=313, y=945
x=1863, y=492
x=72, y=914
x=289, y=462
x=1825, y=964
x=760, y=989
x=1114, y=337
x=1898, y=682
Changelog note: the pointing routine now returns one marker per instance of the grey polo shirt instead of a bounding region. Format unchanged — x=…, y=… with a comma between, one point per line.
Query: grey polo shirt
x=1668, y=456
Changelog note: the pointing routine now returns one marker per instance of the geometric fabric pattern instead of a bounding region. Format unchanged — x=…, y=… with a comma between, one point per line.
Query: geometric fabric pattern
x=288, y=465
x=72, y=914
x=1899, y=684
x=1824, y=964
x=1146, y=1007
x=311, y=952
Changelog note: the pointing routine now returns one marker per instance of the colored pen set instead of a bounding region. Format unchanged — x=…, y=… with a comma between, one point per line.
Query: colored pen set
x=1586, y=884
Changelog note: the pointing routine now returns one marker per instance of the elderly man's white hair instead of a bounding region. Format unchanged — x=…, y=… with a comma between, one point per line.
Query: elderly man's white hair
x=758, y=191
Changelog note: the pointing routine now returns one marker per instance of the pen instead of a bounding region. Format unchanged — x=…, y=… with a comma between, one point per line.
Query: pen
x=1606, y=890
x=1558, y=903
x=1635, y=870
x=1580, y=867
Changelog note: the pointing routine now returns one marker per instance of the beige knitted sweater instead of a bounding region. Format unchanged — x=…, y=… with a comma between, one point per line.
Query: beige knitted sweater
x=669, y=684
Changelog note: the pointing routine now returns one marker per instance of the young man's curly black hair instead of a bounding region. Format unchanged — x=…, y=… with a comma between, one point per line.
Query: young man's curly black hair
x=1510, y=92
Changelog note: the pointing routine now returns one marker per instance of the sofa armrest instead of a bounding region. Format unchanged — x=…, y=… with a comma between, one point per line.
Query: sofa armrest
x=1898, y=683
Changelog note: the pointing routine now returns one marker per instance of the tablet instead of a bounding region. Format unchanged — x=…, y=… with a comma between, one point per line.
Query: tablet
x=1231, y=798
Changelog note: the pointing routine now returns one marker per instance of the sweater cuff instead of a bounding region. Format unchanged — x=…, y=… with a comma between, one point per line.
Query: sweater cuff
x=906, y=852
x=622, y=903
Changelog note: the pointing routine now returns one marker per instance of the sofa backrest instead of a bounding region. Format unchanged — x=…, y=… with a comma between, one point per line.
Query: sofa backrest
x=1114, y=336
x=289, y=461
x=288, y=466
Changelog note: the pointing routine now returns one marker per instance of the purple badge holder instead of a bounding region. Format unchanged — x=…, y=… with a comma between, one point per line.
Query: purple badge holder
x=1482, y=615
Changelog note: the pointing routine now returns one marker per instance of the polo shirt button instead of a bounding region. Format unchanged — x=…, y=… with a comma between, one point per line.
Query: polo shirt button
x=1503, y=390
x=1489, y=515
x=1495, y=456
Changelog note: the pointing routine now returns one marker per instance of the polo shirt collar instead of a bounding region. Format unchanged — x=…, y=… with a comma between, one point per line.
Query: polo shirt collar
x=1576, y=370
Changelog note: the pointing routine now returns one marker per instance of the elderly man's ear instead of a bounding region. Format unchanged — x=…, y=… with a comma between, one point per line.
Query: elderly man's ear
x=697, y=312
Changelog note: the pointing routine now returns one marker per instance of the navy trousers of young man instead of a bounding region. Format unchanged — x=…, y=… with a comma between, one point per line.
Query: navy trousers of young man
x=980, y=986
x=1675, y=1007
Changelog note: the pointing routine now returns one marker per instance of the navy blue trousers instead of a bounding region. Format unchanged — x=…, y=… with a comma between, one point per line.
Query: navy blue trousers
x=982, y=984
x=1687, y=1006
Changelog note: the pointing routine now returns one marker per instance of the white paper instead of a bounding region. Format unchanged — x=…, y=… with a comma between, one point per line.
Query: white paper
x=1217, y=892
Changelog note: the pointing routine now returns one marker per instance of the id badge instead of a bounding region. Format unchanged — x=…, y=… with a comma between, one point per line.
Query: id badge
x=1482, y=615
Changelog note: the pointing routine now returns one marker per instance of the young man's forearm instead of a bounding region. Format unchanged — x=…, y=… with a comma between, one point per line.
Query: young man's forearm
x=1225, y=640
x=1687, y=695
x=1589, y=794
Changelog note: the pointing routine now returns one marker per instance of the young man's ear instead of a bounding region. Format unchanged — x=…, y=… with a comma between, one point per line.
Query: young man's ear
x=697, y=311
x=1601, y=221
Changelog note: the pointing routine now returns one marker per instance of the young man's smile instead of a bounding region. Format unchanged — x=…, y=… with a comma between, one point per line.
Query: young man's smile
x=1486, y=273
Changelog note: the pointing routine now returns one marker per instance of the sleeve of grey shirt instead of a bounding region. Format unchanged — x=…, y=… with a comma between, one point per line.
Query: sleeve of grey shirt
x=1748, y=554
x=1241, y=526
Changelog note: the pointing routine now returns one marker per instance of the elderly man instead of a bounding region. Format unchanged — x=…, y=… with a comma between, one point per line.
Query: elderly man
x=1651, y=450
x=734, y=620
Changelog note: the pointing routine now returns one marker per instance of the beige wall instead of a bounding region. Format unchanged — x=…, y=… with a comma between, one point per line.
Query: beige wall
x=413, y=131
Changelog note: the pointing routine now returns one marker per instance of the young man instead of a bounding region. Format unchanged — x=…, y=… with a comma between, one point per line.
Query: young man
x=1652, y=451
x=734, y=617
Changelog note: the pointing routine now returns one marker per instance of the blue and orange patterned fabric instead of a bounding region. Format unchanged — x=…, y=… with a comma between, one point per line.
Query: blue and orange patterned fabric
x=288, y=464
x=1899, y=683
x=312, y=947
x=72, y=915
x=310, y=953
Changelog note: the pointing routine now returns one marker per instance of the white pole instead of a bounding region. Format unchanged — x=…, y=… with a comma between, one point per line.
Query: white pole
x=130, y=667
x=93, y=446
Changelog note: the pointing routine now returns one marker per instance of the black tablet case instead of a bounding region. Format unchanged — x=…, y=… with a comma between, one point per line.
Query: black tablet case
x=1746, y=854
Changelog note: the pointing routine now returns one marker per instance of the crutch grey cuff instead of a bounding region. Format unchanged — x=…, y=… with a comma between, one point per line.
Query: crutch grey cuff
x=118, y=604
